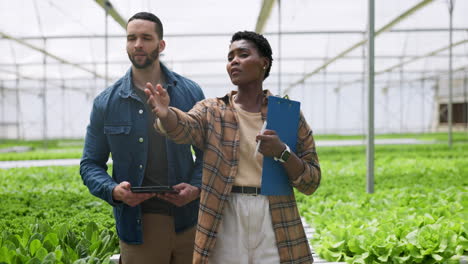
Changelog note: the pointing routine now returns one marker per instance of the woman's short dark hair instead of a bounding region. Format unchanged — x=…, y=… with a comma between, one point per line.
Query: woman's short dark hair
x=260, y=42
x=150, y=17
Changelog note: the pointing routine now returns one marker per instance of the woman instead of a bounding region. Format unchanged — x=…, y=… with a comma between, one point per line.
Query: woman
x=235, y=223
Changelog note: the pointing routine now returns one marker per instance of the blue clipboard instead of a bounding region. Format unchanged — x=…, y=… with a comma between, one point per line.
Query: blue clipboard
x=283, y=117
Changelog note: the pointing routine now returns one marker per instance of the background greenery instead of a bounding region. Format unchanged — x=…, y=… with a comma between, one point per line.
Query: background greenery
x=73, y=148
x=416, y=215
x=51, y=149
x=48, y=216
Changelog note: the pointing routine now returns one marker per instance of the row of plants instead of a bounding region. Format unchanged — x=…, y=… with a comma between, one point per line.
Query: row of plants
x=46, y=244
x=41, y=144
x=48, y=216
x=38, y=149
x=72, y=149
x=439, y=136
x=73, y=153
x=417, y=214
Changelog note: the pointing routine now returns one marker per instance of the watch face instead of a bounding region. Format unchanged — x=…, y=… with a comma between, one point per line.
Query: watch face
x=286, y=156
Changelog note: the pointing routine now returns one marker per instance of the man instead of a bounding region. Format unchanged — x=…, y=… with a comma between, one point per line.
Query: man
x=151, y=228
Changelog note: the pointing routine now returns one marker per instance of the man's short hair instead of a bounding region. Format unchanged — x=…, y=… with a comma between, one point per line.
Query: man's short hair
x=260, y=42
x=150, y=17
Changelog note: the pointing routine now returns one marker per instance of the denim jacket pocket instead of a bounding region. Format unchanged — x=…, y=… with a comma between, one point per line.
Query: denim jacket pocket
x=120, y=142
x=117, y=130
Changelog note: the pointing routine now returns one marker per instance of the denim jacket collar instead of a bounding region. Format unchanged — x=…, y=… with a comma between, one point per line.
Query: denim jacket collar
x=127, y=88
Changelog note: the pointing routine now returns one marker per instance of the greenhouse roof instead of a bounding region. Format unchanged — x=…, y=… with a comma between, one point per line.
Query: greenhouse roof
x=316, y=41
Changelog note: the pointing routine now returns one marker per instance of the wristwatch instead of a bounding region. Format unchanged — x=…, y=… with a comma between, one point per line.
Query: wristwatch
x=284, y=155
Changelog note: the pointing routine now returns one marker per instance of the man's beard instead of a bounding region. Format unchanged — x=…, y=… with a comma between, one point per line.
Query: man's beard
x=149, y=59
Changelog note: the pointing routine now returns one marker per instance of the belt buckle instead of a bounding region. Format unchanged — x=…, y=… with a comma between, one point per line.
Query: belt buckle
x=252, y=194
x=256, y=192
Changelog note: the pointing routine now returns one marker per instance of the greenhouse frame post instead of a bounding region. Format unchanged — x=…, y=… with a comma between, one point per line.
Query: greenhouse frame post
x=370, y=96
x=279, y=47
x=106, y=42
x=2, y=94
x=450, y=77
x=44, y=96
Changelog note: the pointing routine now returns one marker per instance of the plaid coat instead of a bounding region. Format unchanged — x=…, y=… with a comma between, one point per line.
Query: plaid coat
x=212, y=125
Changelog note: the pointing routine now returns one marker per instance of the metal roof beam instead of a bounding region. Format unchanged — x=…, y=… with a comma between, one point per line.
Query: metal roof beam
x=192, y=35
x=189, y=61
x=45, y=52
x=265, y=11
x=386, y=27
x=413, y=59
x=433, y=77
x=223, y=76
x=430, y=54
x=25, y=77
x=107, y=6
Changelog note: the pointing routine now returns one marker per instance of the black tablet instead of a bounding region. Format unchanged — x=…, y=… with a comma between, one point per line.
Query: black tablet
x=153, y=189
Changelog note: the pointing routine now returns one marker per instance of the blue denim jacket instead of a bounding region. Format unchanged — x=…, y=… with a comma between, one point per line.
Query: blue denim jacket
x=118, y=127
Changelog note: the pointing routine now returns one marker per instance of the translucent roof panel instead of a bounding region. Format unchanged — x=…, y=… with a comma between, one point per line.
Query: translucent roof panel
x=318, y=45
x=198, y=34
x=329, y=27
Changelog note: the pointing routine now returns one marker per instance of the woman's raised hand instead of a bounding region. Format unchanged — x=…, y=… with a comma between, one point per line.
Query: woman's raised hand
x=158, y=99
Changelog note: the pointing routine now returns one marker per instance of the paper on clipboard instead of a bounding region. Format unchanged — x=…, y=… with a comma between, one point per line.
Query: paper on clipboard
x=282, y=117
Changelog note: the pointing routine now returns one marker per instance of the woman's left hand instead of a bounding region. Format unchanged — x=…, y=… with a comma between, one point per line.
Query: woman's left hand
x=271, y=145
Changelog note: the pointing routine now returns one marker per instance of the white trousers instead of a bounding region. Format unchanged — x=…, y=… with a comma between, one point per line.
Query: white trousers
x=246, y=233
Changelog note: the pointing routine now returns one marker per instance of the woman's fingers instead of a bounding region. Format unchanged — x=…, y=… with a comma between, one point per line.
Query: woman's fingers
x=150, y=87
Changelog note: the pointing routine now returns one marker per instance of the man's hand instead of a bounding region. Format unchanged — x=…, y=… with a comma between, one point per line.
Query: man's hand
x=187, y=193
x=158, y=99
x=123, y=193
x=271, y=145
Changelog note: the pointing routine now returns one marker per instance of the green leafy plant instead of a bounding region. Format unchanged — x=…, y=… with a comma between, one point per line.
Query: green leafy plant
x=416, y=215
x=36, y=204
x=43, y=243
